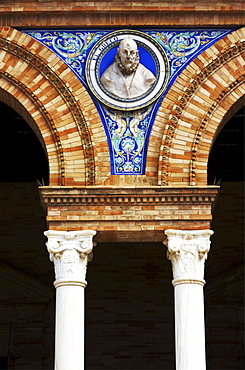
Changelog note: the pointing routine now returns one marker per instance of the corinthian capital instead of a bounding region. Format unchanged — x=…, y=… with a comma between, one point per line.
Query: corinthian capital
x=70, y=251
x=187, y=251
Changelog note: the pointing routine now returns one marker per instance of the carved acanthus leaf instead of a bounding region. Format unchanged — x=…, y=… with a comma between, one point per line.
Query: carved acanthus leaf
x=187, y=251
x=70, y=251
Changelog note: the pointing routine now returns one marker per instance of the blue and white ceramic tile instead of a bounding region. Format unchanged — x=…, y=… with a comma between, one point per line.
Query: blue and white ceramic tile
x=127, y=123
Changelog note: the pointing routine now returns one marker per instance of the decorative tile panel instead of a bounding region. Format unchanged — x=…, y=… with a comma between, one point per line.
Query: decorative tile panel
x=127, y=130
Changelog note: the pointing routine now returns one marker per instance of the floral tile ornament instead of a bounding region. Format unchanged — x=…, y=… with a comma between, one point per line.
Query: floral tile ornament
x=127, y=122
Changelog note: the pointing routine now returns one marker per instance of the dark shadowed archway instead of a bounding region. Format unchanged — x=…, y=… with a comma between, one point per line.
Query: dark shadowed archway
x=24, y=157
x=225, y=265
x=26, y=275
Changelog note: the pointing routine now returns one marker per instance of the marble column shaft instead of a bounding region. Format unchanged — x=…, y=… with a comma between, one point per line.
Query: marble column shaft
x=70, y=251
x=187, y=251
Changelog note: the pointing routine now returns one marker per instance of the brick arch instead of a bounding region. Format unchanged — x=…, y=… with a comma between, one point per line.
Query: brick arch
x=194, y=108
x=39, y=85
x=12, y=95
x=210, y=125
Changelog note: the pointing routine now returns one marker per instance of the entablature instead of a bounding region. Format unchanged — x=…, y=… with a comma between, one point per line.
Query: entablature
x=149, y=195
x=128, y=213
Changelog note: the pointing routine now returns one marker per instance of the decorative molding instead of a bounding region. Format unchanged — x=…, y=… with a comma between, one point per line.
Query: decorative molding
x=110, y=13
x=70, y=251
x=57, y=196
x=24, y=54
x=187, y=251
x=175, y=115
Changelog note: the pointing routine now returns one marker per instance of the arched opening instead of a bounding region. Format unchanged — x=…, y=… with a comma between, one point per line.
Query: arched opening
x=226, y=159
x=26, y=275
x=225, y=266
x=24, y=157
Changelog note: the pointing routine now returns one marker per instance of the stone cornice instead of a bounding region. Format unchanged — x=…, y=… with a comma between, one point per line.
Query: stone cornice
x=96, y=6
x=55, y=196
x=80, y=14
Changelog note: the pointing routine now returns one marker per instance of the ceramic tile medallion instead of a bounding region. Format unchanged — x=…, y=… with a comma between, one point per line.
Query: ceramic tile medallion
x=124, y=88
x=127, y=73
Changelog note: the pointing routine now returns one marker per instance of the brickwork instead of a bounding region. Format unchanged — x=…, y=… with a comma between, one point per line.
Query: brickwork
x=193, y=109
x=41, y=88
x=53, y=101
x=47, y=94
x=128, y=214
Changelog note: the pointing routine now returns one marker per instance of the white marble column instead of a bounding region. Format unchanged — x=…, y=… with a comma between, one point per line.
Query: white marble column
x=187, y=250
x=70, y=251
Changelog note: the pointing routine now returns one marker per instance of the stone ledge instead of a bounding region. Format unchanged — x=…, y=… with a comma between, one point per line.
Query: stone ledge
x=52, y=196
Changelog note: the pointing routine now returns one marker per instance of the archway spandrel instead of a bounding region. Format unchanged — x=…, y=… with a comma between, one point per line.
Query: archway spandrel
x=209, y=88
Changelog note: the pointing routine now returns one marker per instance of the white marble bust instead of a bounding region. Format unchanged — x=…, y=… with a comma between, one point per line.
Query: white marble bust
x=126, y=77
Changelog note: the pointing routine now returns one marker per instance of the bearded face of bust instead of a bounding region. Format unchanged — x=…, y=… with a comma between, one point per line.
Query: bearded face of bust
x=127, y=56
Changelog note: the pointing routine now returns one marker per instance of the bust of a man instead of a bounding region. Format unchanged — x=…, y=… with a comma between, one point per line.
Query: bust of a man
x=127, y=77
